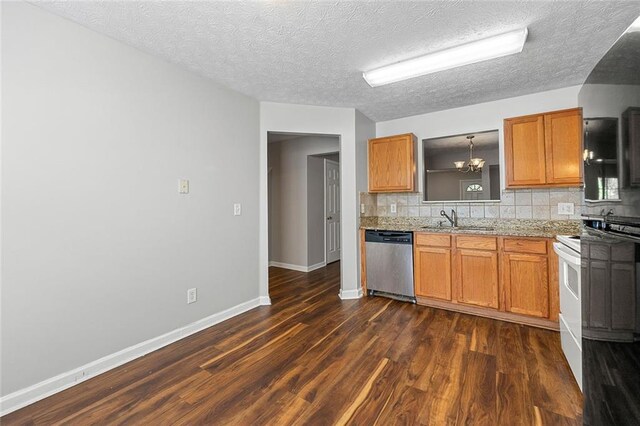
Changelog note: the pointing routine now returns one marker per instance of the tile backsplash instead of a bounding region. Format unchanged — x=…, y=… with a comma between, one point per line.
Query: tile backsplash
x=514, y=204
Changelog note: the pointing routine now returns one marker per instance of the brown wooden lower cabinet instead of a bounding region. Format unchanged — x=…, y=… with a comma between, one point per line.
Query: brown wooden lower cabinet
x=476, y=273
x=436, y=283
x=526, y=284
x=507, y=278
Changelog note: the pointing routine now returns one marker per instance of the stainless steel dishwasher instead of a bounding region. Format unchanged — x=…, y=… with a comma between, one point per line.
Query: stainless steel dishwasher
x=389, y=256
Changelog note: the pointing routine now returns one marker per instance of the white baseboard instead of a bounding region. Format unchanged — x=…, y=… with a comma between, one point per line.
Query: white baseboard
x=316, y=266
x=265, y=300
x=299, y=268
x=23, y=397
x=350, y=294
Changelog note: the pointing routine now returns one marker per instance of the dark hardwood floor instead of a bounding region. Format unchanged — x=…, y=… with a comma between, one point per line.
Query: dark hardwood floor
x=311, y=358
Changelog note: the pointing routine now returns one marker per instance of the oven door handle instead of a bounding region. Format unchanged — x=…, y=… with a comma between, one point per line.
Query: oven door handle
x=566, y=254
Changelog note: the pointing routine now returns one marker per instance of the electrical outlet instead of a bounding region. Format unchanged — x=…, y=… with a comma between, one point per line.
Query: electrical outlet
x=394, y=208
x=565, y=208
x=192, y=295
x=237, y=209
x=362, y=208
x=183, y=186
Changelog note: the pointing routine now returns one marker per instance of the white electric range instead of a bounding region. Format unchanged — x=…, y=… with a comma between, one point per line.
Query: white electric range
x=568, y=251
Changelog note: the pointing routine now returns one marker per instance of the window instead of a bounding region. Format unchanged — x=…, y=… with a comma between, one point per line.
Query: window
x=444, y=181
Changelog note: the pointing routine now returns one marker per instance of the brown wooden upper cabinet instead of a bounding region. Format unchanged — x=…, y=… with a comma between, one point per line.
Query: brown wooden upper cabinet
x=392, y=163
x=544, y=149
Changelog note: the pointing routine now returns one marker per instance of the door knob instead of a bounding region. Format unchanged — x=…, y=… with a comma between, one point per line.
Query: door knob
x=330, y=217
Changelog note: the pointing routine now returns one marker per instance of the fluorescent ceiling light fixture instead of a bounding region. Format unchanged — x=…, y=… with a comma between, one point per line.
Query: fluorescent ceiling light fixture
x=465, y=54
x=635, y=27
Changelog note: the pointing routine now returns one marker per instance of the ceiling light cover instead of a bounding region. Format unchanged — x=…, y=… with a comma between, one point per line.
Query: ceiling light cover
x=465, y=54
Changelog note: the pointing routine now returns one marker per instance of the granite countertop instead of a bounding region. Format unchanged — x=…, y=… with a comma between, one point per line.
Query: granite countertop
x=502, y=227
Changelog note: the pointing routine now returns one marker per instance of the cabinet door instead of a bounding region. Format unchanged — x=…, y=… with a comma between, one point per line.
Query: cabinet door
x=477, y=277
x=525, y=151
x=392, y=164
x=433, y=272
x=563, y=146
x=598, y=313
x=623, y=296
x=526, y=284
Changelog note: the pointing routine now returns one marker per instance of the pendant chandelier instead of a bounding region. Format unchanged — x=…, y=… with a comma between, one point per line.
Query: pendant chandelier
x=474, y=165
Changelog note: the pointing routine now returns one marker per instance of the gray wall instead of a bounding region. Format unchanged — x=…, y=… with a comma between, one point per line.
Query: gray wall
x=98, y=247
x=288, y=201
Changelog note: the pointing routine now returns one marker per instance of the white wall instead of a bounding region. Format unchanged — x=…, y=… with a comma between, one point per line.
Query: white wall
x=288, y=118
x=608, y=100
x=365, y=130
x=98, y=246
x=475, y=118
x=290, y=217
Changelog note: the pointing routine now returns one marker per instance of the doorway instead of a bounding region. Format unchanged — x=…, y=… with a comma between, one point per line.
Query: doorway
x=332, y=210
x=303, y=201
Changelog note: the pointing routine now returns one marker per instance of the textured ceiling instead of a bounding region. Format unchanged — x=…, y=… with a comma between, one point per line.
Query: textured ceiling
x=314, y=52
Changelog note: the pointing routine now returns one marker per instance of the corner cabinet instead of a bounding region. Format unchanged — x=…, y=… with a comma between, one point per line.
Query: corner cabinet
x=610, y=292
x=507, y=278
x=544, y=150
x=392, y=163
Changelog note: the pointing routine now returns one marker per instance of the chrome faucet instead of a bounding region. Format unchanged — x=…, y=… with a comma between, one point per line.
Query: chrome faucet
x=453, y=219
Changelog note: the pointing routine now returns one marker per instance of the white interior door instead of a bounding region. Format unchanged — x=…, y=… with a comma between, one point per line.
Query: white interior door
x=332, y=210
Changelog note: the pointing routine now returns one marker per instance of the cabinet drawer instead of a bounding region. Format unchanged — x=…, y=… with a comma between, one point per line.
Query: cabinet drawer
x=477, y=243
x=433, y=240
x=516, y=245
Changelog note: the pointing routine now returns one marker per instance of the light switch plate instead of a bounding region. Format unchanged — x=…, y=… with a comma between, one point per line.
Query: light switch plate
x=565, y=208
x=362, y=208
x=183, y=187
x=237, y=209
x=394, y=208
x=192, y=295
